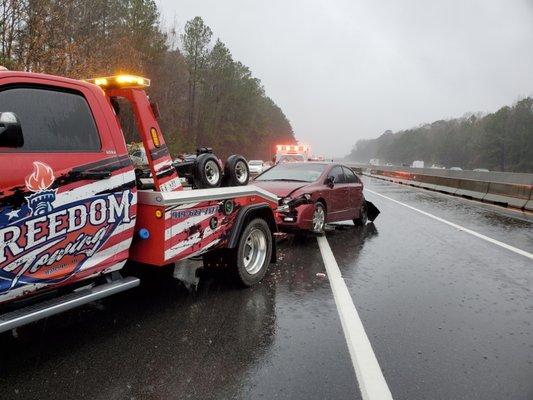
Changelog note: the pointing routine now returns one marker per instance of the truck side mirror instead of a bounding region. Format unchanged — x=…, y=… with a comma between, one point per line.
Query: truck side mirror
x=330, y=181
x=10, y=130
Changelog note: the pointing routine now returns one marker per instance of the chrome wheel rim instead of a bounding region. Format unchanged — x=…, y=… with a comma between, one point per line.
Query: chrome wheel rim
x=212, y=173
x=255, y=249
x=241, y=172
x=319, y=218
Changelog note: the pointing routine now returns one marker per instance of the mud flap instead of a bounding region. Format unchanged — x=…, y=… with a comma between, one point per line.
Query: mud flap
x=186, y=271
x=372, y=211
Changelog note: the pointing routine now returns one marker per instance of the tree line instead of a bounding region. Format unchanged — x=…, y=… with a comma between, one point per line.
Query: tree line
x=205, y=97
x=499, y=141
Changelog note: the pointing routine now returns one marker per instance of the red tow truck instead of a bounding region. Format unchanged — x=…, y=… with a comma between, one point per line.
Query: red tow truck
x=74, y=211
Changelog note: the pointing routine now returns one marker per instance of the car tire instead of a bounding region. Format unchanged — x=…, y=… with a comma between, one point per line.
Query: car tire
x=236, y=171
x=207, y=172
x=319, y=218
x=253, y=252
x=363, y=216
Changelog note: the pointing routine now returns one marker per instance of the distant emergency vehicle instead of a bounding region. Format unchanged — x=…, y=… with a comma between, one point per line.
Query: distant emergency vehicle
x=292, y=153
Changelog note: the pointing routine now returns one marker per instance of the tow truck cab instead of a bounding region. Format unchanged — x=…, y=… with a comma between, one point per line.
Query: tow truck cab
x=70, y=210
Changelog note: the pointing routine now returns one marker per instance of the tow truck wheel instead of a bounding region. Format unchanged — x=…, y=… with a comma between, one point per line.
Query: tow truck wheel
x=319, y=218
x=363, y=216
x=236, y=171
x=253, y=252
x=207, y=173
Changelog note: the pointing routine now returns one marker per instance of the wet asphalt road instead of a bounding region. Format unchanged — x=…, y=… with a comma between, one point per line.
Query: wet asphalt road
x=449, y=316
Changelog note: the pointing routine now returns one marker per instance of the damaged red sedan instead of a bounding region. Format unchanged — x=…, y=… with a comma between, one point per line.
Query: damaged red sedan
x=312, y=194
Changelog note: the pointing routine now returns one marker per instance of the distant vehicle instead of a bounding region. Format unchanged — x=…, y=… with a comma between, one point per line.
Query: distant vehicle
x=292, y=152
x=456, y=169
x=374, y=161
x=312, y=194
x=417, y=164
x=481, y=170
x=256, y=166
x=437, y=166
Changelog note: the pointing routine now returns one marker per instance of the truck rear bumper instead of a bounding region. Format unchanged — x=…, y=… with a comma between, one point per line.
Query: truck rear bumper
x=57, y=305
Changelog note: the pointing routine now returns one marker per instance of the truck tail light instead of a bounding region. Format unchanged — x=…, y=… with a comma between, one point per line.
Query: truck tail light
x=155, y=137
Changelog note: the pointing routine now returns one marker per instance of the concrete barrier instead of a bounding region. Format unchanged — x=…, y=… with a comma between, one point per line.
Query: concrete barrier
x=529, y=204
x=508, y=194
x=472, y=189
x=505, y=188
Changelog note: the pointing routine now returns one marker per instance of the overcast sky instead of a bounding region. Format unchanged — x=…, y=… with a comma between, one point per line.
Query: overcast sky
x=344, y=70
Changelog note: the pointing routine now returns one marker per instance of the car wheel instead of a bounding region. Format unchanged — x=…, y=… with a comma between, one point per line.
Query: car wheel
x=207, y=172
x=363, y=215
x=254, y=252
x=319, y=218
x=236, y=171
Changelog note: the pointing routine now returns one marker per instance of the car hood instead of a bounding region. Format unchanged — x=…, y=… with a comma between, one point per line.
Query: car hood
x=280, y=188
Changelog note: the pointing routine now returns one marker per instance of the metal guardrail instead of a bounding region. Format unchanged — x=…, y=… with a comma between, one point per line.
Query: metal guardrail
x=504, y=188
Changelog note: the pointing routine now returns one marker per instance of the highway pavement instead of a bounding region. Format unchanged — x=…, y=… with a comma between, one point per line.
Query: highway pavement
x=433, y=301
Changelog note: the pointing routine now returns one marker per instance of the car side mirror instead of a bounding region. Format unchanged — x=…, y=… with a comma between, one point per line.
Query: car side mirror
x=10, y=130
x=330, y=181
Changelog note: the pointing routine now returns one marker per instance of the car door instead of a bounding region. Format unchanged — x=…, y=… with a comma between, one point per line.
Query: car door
x=337, y=204
x=354, y=192
x=65, y=205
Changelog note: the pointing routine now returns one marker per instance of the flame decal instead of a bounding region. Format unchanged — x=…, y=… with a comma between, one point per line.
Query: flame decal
x=41, y=178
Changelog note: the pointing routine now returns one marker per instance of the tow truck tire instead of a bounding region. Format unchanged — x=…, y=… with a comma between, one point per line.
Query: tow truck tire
x=253, y=252
x=363, y=216
x=236, y=171
x=207, y=172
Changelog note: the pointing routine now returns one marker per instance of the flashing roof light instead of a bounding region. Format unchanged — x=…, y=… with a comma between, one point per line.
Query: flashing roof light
x=120, y=81
x=293, y=148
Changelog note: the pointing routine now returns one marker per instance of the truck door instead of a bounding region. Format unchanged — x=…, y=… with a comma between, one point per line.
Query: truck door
x=67, y=203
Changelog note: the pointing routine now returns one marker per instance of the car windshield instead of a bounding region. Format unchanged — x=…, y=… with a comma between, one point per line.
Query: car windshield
x=295, y=172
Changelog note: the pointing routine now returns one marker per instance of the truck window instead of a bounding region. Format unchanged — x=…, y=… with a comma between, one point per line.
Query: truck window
x=125, y=115
x=52, y=120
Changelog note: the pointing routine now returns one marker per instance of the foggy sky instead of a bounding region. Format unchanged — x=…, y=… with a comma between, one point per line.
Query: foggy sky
x=344, y=70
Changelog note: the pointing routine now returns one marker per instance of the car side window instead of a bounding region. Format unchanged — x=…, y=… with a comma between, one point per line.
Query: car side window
x=350, y=176
x=338, y=174
x=52, y=120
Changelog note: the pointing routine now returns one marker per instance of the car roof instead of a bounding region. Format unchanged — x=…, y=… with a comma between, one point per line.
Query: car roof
x=309, y=163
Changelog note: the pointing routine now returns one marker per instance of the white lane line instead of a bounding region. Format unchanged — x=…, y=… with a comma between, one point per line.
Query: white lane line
x=461, y=228
x=369, y=376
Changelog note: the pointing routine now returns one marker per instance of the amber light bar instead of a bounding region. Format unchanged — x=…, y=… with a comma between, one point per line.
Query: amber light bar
x=120, y=81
